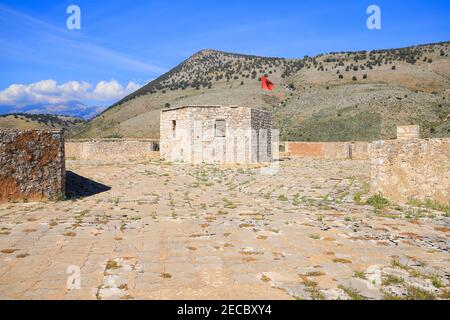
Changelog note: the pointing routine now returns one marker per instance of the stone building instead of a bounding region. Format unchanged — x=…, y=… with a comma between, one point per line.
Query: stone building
x=32, y=165
x=216, y=134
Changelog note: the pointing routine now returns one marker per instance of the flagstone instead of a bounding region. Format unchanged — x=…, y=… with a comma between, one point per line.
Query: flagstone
x=174, y=240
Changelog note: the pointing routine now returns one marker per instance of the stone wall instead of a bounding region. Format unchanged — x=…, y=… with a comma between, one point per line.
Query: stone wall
x=305, y=149
x=408, y=132
x=359, y=150
x=411, y=169
x=112, y=149
x=261, y=124
x=32, y=165
x=337, y=150
x=215, y=134
x=328, y=150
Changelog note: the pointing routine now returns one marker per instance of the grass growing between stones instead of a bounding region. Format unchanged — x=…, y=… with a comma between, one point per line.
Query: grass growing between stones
x=389, y=280
x=436, y=281
x=378, y=202
x=265, y=278
x=360, y=275
x=344, y=261
x=415, y=293
x=112, y=265
x=396, y=263
x=312, y=288
x=445, y=295
x=430, y=204
x=352, y=293
x=315, y=274
x=229, y=204
x=357, y=198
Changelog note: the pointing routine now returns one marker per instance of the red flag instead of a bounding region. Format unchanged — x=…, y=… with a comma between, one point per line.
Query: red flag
x=266, y=84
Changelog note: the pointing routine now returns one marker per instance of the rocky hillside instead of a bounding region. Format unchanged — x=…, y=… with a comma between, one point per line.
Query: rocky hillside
x=329, y=97
x=38, y=121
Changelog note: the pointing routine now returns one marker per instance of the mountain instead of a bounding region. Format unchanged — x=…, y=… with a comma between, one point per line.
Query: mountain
x=71, y=108
x=330, y=97
x=38, y=121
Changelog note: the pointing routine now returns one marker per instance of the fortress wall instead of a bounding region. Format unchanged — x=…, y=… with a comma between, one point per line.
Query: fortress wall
x=337, y=150
x=112, y=149
x=32, y=165
x=360, y=150
x=305, y=149
x=328, y=150
x=411, y=169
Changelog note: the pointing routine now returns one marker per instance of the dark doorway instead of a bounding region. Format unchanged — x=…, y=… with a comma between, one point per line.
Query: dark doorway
x=174, y=128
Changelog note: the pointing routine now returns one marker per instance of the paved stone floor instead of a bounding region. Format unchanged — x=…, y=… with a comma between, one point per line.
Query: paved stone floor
x=158, y=231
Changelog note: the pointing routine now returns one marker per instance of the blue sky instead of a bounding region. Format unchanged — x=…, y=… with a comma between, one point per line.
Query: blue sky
x=124, y=44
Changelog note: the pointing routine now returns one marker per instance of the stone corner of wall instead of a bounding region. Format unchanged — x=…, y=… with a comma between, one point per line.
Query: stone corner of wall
x=413, y=168
x=31, y=153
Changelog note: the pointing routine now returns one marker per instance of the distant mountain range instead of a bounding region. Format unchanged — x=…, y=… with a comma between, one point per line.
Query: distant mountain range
x=38, y=121
x=330, y=97
x=70, y=108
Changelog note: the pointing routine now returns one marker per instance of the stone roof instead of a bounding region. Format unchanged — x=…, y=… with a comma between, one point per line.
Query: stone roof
x=33, y=130
x=207, y=106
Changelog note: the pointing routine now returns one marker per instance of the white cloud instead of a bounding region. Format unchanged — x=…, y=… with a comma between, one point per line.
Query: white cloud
x=75, y=87
x=44, y=87
x=105, y=90
x=132, y=86
x=48, y=91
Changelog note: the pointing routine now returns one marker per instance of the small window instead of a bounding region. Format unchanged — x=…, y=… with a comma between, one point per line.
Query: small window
x=174, y=128
x=154, y=146
x=220, y=129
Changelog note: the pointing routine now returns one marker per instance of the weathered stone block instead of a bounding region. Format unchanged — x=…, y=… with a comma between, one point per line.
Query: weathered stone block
x=408, y=132
x=411, y=169
x=32, y=165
